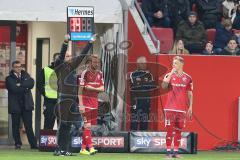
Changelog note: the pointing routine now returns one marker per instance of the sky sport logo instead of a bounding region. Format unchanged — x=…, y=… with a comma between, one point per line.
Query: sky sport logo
x=155, y=142
x=48, y=141
x=109, y=142
x=76, y=141
x=43, y=141
x=104, y=142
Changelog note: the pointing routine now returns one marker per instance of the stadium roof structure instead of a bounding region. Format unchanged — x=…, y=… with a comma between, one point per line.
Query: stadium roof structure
x=106, y=11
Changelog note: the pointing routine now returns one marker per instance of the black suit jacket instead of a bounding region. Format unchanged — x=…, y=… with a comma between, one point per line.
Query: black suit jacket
x=19, y=97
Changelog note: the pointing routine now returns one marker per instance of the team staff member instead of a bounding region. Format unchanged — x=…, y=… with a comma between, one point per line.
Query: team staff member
x=47, y=85
x=20, y=103
x=142, y=83
x=179, y=103
x=91, y=83
x=65, y=67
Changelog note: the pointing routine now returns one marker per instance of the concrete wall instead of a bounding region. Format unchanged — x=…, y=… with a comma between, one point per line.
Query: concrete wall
x=55, y=32
x=52, y=30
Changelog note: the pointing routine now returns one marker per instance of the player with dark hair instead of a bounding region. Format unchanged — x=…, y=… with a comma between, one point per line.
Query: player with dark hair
x=179, y=103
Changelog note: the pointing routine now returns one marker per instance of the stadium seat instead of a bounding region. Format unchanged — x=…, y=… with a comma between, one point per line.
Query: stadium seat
x=165, y=35
x=194, y=8
x=236, y=31
x=211, y=34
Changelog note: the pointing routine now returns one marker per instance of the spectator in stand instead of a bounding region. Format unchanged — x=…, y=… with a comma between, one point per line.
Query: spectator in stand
x=156, y=13
x=178, y=48
x=223, y=34
x=179, y=10
x=210, y=12
x=208, y=49
x=236, y=18
x=229, y=8
x=237, y=34
x=192, y=33
x=231, y=48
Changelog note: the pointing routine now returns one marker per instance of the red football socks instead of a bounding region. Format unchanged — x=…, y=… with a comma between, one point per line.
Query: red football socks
x=177, y=139
x=86, y=139
x=169, y=137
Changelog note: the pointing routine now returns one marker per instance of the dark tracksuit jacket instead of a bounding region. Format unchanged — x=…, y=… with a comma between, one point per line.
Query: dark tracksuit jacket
x=68, y=113
x=140, y=96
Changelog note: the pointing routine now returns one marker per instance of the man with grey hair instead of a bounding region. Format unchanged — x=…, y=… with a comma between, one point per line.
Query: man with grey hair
x=142, y=83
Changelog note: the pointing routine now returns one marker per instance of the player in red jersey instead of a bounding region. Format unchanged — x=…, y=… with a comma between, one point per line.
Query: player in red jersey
x=179, y=103
x=91, y=83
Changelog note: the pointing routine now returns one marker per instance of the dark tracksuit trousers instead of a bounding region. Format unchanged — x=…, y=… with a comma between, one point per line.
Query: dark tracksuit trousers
x=68, y=115
x=49, y=113
x=140, y=114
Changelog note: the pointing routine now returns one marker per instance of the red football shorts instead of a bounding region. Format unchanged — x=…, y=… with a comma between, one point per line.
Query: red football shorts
x=91, y=115
x=175, y=119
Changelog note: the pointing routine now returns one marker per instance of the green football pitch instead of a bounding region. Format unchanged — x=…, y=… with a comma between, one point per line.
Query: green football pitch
x=27, y=154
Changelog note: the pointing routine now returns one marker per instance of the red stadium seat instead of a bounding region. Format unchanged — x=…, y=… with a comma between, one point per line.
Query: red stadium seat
x=211, y=34
x=165, y=35
x=236, y=31
x=194, y=8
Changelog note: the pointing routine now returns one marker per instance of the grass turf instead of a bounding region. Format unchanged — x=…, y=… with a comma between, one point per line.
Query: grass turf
x=27, y=154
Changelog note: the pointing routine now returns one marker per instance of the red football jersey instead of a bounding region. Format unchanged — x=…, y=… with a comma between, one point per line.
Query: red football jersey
x=94, y=79
x=177, y=96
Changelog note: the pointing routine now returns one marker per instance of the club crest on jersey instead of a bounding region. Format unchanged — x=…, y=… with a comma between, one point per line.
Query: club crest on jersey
x=184, y=79
x=174, y=79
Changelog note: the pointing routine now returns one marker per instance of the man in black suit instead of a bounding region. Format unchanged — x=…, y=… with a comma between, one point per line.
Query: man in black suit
x=20, y=103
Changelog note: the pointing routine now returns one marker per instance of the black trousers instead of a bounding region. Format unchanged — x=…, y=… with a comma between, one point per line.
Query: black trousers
x=195, y=48
x=27, y=121
x=68, y=115
x=64, y=136
x=140, y=115
x=49, y=113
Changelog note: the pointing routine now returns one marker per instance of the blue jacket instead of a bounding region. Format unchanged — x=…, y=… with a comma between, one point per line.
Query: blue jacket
x=222, y=36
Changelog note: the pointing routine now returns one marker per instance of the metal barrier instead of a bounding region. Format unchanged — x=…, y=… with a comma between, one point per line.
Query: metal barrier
x=147, y=27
